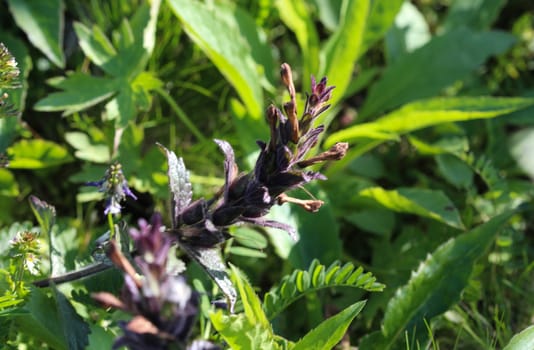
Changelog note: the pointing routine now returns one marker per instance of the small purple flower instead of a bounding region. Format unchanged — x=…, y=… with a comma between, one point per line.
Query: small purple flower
x=115, y=187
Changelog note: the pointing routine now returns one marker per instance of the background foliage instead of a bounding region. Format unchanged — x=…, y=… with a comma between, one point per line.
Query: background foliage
x=434, y=197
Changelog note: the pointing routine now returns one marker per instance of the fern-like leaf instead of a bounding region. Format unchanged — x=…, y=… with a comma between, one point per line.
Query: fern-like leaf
x=317, y=277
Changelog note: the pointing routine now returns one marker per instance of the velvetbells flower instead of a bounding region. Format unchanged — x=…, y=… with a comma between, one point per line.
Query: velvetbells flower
x=115, y=187
x=163, y=304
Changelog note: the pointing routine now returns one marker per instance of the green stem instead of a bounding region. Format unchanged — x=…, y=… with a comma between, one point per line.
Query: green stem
x=111, y=226
x=181, y=114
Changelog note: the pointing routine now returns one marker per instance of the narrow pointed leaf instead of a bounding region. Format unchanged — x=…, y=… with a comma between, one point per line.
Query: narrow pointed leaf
x=74, y=330
x=426, y=113
x=251, y=301
x=427, y=203
x=434, y=287
x=344, y=46
x=428, y=70
x=329, y=332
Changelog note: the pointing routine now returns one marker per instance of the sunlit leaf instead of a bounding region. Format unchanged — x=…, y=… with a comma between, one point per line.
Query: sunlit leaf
x=226, y=48
x=522, y=340
x=327, y=334
x=43, y=23
x=427, y=203
x=37, y=154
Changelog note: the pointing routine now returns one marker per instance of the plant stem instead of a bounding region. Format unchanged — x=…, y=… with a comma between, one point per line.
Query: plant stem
x=181, y=114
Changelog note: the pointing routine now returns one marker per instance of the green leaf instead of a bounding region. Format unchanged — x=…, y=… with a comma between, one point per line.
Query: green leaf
x=327, y=334
x=250, y=237
x=87, y=149
x=296, y=16
x=80, y=92
x=475, y=14
x=434, y=287
x=317, y=277
x=409, y=32
x=225, y=47
x=75, y=331
x=8, y=185
x=427, y=203
x=240, y=334
x=41, y=320
x=95, y=45
x=251, y=301
x=455, y=170
x=344, y=47
x=318, y=233
x=422, y=114
x=428, y=70
x=381, y=17
x=522, y=340
x=37, y=154
x=44, y=213
x=43, y=23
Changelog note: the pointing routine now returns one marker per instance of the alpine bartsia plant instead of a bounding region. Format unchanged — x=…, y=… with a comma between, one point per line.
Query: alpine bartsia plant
x=200, y=226
x=163, y=304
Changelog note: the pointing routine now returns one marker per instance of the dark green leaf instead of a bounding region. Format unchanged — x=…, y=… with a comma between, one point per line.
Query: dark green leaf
x=475, y=14
x=431, y=68
x=43, y=23
x=74, y=330
x=455, y=170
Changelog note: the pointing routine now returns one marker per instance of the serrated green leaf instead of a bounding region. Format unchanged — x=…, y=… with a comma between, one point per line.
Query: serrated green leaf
x=179, y=183
x=225, y=47
x=327, y=334
x=37, y=154
x=427, y=203
x=344, y=47
x=522, y=340
x=435, y=286
x=80, y=92
x=43, y=23
x=428, y=70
